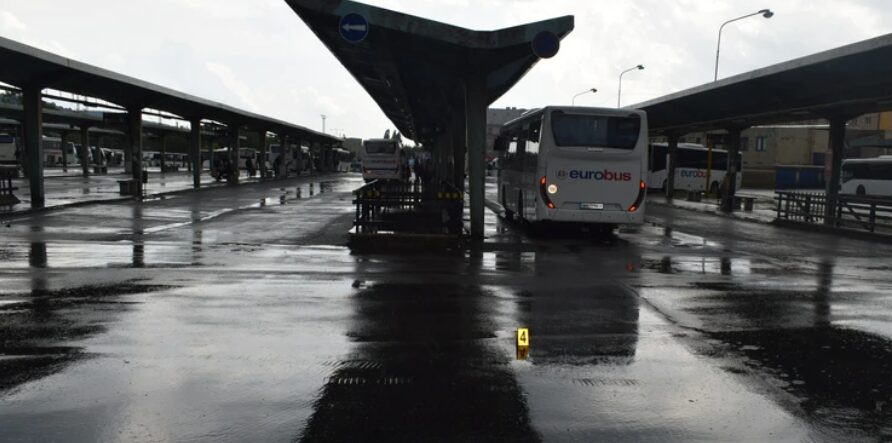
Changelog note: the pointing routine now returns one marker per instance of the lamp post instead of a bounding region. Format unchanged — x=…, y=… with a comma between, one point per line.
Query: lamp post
x=764, y=13
x=323, y=123
x=619, y=95
x=592, y=90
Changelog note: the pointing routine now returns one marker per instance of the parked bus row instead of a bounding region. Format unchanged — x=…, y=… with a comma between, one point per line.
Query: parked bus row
x=56, y=153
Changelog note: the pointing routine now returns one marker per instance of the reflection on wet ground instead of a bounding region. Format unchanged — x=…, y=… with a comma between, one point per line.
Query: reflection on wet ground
x=421, y=369
x=236, y=315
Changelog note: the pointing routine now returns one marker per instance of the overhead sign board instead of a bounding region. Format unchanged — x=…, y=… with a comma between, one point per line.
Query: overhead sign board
x=354, y=28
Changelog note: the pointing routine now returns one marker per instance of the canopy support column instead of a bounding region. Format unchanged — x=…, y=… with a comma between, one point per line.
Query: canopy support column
x=235, y=135
x=32, y=103
x=459, y=152
x=85, y=151
x=283, y=156
x=836, y=150
x=670, y=168
x=134, y=133
x=730, y=188
x=195, y=151
x=476, y=103
x=264, y=147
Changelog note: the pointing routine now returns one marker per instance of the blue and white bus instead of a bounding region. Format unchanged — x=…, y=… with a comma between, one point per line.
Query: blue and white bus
x=691, y=170
x=574, y=164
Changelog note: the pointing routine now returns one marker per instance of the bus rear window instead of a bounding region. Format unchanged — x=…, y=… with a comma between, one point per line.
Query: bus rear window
x=595, y=131
x=380, y=148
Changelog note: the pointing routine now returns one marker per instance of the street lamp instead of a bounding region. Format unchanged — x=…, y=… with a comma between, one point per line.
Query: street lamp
x=592, y=90
x=619, y=95
x=764, y=13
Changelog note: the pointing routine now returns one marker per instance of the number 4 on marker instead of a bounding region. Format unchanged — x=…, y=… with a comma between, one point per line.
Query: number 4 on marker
x=523, y=337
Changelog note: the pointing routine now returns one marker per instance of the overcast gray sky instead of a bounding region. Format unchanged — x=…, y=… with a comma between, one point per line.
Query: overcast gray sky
x=259, y=55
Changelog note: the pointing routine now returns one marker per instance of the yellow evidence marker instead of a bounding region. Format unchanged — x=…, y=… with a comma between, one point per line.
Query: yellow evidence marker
x=523, y=338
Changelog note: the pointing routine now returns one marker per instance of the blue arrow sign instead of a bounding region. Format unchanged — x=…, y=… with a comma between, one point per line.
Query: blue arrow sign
x=354, y=28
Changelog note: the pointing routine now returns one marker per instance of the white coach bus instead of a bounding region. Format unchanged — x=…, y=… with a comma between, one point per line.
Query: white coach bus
x=573, y=164
x=691, y=170
x=382, y=159
x=867, y=176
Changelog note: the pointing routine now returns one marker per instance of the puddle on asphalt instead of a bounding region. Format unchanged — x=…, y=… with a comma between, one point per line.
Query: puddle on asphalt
x=699, y=265
x=664, y=390
x=509, y=261
x=59, y=255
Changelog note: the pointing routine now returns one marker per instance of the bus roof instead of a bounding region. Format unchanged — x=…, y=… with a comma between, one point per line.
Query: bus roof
x=690, y=147
x=536, y=113
x=880, y=159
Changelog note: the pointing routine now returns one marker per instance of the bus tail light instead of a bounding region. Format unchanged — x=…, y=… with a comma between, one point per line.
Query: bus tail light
x=543, y=192
x=642, y=188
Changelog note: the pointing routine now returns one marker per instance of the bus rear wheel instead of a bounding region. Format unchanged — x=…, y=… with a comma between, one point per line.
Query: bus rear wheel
x=714, y=189
x=861, y=191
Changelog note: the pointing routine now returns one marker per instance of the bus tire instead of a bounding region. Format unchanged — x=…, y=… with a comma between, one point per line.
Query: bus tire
x=665, y=188
x=714, y=188
x=861, y=191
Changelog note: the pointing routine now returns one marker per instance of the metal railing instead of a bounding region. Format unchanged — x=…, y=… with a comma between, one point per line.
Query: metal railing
x=7, y=190
x=849, y=211
x=408, y=207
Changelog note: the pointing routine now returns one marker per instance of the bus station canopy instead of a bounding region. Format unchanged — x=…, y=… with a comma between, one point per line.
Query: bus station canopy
x=25, y=66
x=416, y=69
x=848, y=81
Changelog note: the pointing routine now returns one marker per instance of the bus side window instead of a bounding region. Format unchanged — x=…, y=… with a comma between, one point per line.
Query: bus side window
x=511, y=153
x=687, y=159
x=658, y=158
x=519, y=160
x=878, y=171
x=533, y=132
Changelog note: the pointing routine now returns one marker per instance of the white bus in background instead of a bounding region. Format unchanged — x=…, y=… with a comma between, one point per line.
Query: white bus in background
x=343, y=159
x=571, y=164
x=382, y=159
x=276, y=150
x=691, y=170
x=8, y=154
x=52, y=152
x=867, y=176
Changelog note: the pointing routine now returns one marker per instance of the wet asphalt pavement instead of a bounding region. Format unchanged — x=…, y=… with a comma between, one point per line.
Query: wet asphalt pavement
x=228, y=316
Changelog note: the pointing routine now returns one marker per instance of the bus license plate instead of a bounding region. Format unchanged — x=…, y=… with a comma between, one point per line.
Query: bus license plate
x=592, y=206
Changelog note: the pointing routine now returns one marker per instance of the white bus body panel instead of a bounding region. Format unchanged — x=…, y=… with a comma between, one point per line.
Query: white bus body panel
x=7, y=151
x=689, y=179
x=873, y=186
